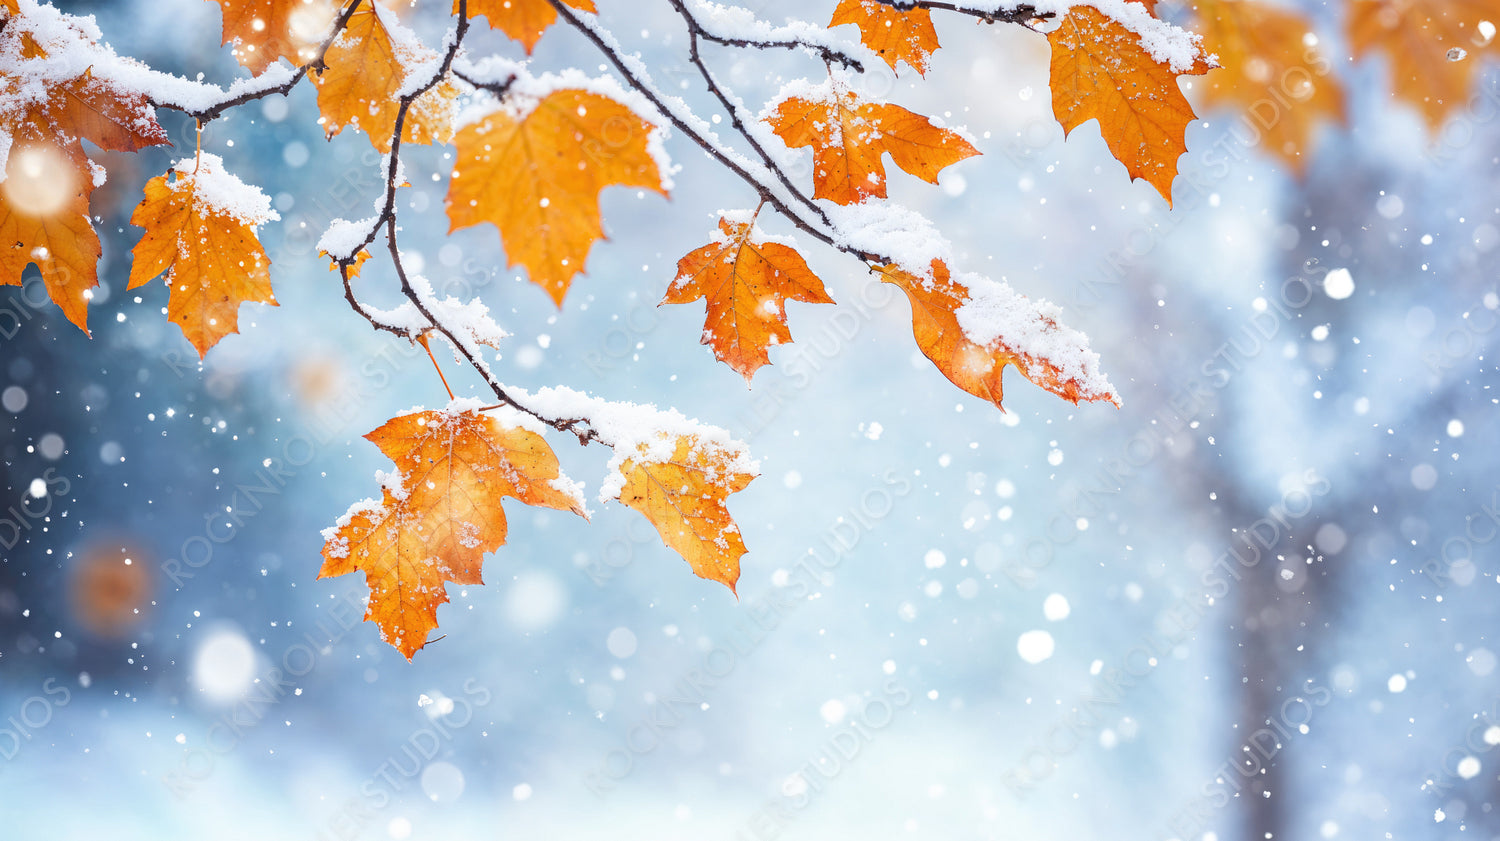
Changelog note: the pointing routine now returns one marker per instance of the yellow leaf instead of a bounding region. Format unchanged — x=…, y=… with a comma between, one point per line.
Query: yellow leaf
x=1100, y=70
x=368, y=65
x=1068, y=369
x=523, y=20
x=849, y=137
x=441, y=514
x=1284, y=86
x=898, y=35
x=746, y=281
x=200, y=228
x=684, y=497
x=1417, y=36
x=265, y=30
x=537, y=178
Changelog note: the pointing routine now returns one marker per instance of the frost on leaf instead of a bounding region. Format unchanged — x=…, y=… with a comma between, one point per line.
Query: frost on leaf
x=1104, y=70
x=896, y=34
x=537, y=178
x=1283, y=86
x=972, y=327
x=369, y=67
x=523, y=20
x=682, y=484
x=441, y=513
x=200, y=226
x=850, y=136
x=746, y=280
x=1416, y=35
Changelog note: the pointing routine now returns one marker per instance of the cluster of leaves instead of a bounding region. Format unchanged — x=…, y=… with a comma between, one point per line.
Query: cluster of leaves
x=526, y=159
x=1279, y=75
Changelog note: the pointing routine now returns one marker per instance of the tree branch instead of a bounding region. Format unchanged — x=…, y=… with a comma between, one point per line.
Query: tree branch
x=828, y=54
x=1016, y=14
x=360, y=308
x=735, y=109
x=388, y=209
x=639, y=79
x=387, y=219
x=316, y=65
x=577, y=426
x=499, y=89
x=789, y=40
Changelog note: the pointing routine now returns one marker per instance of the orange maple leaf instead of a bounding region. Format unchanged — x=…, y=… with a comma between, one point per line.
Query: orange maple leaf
x=49, y=108
x=537, y=178
x=1418, y=36
x=113, y=119
x=441, y=513
x=1100, y=70
x=683, y=496
x=523, y=20
x=200, y=228
x=849, y=137
x=1283, y=84
x=265, y=30
x=1045, y=352
x=44, y=219
x=367, y=67
x=69, y=106
x=747, y=281
x=896, y=34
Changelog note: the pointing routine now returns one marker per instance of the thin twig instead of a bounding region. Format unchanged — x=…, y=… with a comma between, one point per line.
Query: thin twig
x=577, y=426
x=825, y=52
x=499, y=89
x=648, y=89
x=695, y=31
x=393, y=167
x=355, y=305
x=387, y=219
x=1018, y=14
x=316, y=65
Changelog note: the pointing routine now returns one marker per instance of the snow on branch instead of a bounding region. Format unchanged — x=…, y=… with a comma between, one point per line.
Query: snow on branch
x=739, y=27
x=1166, y=43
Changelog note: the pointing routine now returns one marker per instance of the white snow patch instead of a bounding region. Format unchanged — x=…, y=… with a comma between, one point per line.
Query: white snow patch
x=1056, y=607
x=1035, y=646
x=215, y=187
x=1338, y=284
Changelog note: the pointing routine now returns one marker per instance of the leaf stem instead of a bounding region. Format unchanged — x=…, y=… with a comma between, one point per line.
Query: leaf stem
x=427, y=347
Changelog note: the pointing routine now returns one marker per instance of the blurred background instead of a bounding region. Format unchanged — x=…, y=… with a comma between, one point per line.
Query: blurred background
x=1255, y=602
